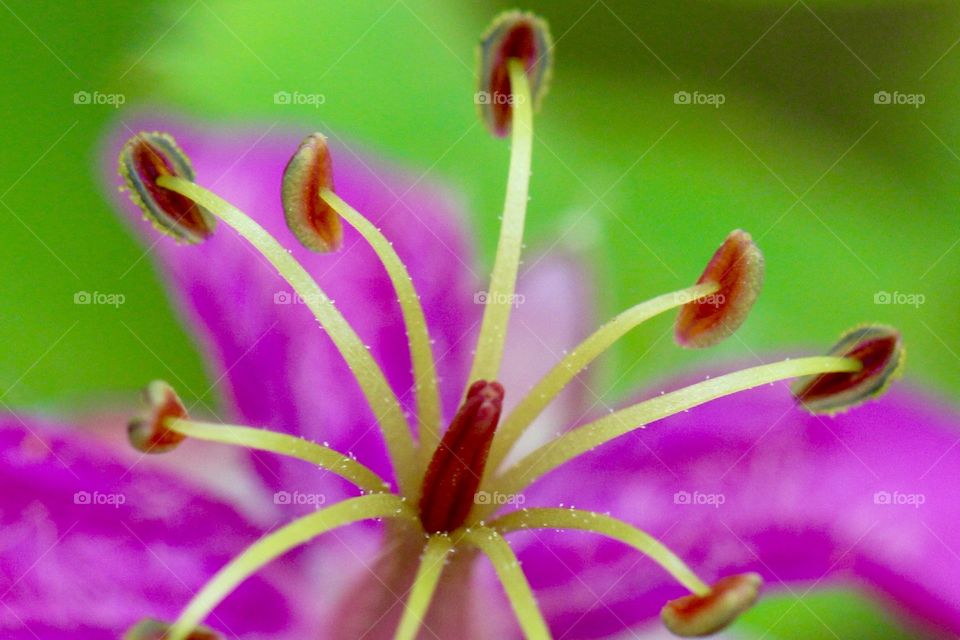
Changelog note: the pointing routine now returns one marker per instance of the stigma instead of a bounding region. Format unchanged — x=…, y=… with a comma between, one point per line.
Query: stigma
x=453, y=476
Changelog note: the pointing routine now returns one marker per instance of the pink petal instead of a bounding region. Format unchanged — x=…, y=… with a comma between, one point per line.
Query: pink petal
x=803, y=500
x=278, y=369
x=92, y=540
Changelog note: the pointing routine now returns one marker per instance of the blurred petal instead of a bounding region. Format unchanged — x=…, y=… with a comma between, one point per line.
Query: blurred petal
x=276, y=365
x=753, y=483
x=554, y=312
x=91, y=542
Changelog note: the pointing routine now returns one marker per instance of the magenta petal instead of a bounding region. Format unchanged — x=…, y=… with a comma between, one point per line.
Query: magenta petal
x=554, y=311
x=90, y=542
x=278, y=368
x=866, y=498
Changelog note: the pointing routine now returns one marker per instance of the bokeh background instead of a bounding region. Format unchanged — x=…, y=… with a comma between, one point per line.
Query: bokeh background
x=852, y=197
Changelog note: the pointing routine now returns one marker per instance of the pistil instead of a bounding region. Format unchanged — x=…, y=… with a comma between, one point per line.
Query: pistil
x=456, y=468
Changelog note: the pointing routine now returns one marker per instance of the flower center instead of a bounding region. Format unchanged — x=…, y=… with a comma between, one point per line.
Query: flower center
x=515, y=58
x=455, y=471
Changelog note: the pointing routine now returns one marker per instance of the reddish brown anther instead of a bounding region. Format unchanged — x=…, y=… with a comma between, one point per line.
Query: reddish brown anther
x=148, y=433
x=314, y=222
x=457, y=465
x=737, y=267
x=878, y=348
x=143, y=159
x=522, y=36
x=151, y=629
x=695, y=616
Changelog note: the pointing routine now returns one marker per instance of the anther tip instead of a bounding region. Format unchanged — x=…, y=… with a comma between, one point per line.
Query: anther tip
x=879, y=349
x=737, y=268
x=145, y=158
x=314, y=222
x=151, y=629
x=513, y=34
x=696, y=616
x=490, y=390
x=148, y=432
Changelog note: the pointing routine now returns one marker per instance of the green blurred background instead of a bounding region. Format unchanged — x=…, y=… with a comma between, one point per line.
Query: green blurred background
x=848, y=198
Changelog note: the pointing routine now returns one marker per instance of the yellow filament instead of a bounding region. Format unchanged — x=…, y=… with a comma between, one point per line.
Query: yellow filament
x=496, y=315
x=276, y=544
x=274, y=442
x=424, y=584
x=607, y=526
x=382, y=400
x=582, y=439
x=578, y=359
x=514, y=583
x=424, y=368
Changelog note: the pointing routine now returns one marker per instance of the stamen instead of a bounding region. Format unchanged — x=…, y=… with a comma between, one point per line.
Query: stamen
x=694, y=616
x=424, y=369
x=151, y=629
x=424, y=584
x=514, y=583
x=496, y=315
x=738, y=267
x=381, y=397
x=312, y=220
x=278, y=543
x=589, y=436
x=143, y=159
x=519, y=36
x=578, y=359
x=149, y=433
x=455, y=471
x=274, y=442
x=880, y=350
x=606, y=526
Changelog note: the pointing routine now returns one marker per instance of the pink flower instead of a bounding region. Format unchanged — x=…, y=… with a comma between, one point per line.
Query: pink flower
x=389, y=535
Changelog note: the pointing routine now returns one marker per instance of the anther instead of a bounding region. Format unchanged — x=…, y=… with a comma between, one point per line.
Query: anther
x=151, y=629
x=145, y=158
x=148, y=432
x=879, y=350
x=519, y=36
x=702, y=615
x=737, y=266
x=315, y=223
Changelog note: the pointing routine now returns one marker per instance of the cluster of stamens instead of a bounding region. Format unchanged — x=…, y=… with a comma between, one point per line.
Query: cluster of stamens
x=442, y=475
